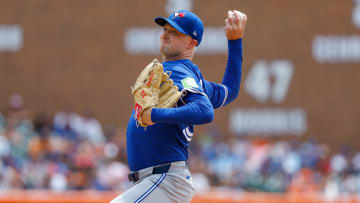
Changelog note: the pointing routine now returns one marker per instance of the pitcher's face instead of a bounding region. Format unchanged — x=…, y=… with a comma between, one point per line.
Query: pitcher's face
x=173, y=42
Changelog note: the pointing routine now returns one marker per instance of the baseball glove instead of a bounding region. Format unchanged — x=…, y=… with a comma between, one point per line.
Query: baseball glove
x=169, y=93
x=147, y=89
x=153, y=88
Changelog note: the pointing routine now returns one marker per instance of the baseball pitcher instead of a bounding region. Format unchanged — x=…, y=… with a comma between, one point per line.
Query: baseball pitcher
x=169, y=99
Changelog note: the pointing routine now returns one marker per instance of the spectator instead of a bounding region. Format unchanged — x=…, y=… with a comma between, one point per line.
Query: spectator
x=65, y=123
x=89, y=128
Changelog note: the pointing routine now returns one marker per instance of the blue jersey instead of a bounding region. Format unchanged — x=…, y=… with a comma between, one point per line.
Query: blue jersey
x=168, y=142
x=163, y=143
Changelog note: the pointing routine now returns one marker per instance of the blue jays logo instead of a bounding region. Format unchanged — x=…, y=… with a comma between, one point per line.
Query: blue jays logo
x=179, y=14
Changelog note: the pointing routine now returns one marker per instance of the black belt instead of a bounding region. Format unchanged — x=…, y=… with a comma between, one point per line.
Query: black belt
x=134, y=176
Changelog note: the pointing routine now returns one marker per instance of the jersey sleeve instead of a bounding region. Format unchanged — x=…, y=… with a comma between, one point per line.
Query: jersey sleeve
x=217, y=93
x=226, y=92
x=196, y=111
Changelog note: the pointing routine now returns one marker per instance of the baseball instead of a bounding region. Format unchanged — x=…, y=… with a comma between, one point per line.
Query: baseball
x=231, y=15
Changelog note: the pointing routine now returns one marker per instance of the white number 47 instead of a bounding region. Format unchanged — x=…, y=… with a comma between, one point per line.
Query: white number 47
x=269, y=80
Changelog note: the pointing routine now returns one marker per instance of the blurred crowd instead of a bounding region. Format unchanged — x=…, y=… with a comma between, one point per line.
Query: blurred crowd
x=73, y=151
x=269, y=165
x=67, y=151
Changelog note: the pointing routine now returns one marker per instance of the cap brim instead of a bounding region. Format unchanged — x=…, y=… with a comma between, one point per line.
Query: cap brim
x=162, y=21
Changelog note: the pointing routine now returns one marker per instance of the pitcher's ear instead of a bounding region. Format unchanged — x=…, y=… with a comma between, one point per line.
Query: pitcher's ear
x=193, y=43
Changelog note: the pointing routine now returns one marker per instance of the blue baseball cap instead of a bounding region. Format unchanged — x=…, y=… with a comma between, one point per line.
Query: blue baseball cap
x=185, y=22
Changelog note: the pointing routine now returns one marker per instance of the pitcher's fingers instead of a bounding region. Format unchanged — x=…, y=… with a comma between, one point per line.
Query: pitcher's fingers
x=228, y=29
x=243, y=22
x=230, y=14
x=245, y=19
x=237, y=18
x=232, y=23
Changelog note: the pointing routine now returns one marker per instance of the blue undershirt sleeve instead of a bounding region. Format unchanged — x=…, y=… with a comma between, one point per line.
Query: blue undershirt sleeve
x=222, y=94
x=197, y=110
